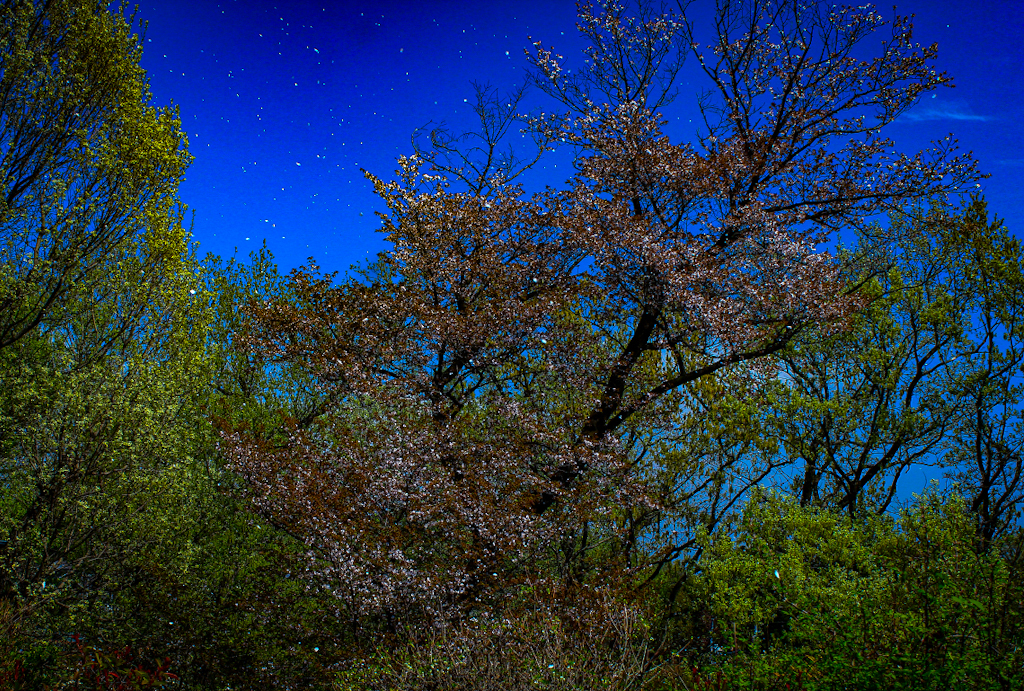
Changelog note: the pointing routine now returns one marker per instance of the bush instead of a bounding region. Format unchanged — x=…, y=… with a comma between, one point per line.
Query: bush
x=810, y=599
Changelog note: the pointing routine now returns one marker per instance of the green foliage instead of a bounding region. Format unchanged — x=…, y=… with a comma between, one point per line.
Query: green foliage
x=818, y=600
x=455, y=478
x=252, y=388
x=89, y=167
x=238, y=616
x=98, y=362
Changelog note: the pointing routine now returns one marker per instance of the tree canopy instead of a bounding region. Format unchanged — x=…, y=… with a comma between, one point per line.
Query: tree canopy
x=576, y=322
x=650, y=428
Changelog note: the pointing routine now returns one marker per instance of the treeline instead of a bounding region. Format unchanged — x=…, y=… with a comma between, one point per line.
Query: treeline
x=641, y=432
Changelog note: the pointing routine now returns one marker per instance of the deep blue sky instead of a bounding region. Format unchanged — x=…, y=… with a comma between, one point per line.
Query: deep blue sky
x=284, y=102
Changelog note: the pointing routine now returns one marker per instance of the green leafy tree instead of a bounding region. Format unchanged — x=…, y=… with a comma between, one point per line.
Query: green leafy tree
x=927, y=375
x=985, y=447
x=858, y=409
x=87, y=164
x=103, y=358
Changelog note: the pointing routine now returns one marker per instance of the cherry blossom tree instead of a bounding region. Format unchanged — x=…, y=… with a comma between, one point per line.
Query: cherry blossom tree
x=499, y=376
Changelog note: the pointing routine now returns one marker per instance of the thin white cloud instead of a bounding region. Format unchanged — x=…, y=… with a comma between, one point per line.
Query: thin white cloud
x=954, y=110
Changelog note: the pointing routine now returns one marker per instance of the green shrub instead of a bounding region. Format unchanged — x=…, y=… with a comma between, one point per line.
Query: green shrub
x=807, y=598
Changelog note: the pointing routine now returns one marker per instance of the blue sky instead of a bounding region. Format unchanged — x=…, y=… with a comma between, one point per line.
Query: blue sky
x=284, y=102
